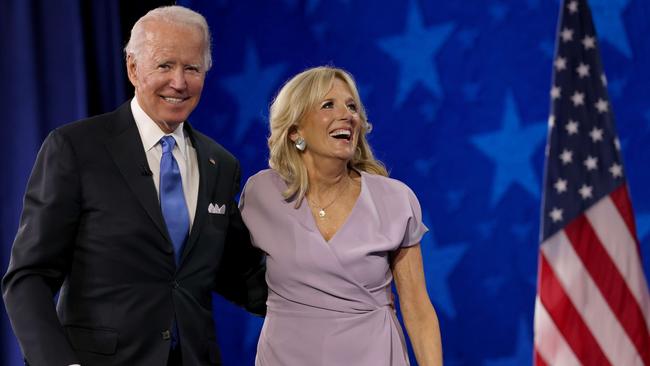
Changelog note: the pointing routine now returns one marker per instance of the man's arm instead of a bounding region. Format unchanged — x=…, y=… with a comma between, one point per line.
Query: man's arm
x=241, y=278
x=41, y=254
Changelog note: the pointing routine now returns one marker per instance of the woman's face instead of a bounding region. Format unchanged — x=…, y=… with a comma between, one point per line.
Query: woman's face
x=331, y=128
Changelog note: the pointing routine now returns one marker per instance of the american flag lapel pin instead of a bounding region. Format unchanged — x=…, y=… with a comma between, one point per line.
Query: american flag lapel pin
x=212, y=161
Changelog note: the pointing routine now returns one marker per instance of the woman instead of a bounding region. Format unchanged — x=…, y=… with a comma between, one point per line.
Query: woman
x=336, y=231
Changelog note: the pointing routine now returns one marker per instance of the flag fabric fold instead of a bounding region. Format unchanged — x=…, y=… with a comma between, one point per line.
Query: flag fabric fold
x=592, y=305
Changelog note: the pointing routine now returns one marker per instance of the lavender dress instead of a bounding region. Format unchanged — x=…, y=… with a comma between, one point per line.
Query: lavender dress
x=330, y=302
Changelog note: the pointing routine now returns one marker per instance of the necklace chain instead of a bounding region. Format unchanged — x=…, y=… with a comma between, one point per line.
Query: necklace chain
x=321, y=209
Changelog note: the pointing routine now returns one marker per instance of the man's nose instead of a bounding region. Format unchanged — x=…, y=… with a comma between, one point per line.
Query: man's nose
x=178, y=81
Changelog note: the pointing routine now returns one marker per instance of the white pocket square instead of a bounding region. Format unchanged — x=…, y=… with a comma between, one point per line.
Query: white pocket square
x=214, y=208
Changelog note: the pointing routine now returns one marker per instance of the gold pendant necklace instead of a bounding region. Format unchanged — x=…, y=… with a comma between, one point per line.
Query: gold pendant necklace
x=322, y=214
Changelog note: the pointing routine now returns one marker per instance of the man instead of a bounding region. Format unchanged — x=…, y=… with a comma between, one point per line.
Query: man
x=131, y=216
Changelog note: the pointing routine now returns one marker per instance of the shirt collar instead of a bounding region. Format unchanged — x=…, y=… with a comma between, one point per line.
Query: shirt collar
x=150, y=133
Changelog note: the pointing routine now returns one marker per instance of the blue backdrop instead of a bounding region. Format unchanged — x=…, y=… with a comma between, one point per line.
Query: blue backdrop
x=457, y=91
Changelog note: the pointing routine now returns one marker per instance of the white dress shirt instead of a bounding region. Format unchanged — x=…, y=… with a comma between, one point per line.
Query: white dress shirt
x=183, y=152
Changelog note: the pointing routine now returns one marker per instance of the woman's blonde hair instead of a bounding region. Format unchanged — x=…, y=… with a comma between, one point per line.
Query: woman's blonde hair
x=299, y=95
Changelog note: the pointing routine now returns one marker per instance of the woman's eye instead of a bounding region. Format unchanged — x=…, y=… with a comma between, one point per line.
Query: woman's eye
x=352, y=107
x=327, y=105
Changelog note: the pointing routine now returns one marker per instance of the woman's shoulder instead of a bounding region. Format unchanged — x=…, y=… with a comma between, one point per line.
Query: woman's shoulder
x=386, y=184
x=265, y=179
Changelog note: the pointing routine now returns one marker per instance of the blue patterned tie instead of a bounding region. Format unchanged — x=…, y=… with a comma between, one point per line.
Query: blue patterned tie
x=172, y=199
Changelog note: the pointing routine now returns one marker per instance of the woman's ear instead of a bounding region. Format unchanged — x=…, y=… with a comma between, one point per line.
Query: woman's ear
x=293, y=133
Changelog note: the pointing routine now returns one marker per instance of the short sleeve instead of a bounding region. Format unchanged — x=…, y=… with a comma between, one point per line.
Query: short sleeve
x=415, y=228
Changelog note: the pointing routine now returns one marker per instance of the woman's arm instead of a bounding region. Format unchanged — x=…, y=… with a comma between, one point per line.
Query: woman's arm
x=419, y=315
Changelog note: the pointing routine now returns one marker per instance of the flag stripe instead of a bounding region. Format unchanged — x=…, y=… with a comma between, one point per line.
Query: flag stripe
x=621, y=200
x=538, y=360
x=550, y=345
x=629, y=296
x=612, y=231
x=567, y=318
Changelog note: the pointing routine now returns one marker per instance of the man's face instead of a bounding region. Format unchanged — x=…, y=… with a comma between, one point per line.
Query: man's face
x=169, y=73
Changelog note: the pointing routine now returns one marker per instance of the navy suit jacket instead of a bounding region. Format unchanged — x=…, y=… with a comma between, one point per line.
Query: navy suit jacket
x=92, y=228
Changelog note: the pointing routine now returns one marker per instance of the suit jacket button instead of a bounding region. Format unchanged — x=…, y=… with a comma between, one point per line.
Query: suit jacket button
x=166, y=335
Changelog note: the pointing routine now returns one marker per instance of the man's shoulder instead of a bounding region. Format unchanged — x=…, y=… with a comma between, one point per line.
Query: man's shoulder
x=94, y=125
x=212, y=147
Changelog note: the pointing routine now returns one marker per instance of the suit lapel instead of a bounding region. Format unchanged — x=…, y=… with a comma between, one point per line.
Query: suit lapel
x=209, y=170
x=129, y=156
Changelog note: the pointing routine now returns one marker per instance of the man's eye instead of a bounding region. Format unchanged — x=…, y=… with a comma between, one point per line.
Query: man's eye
x=164, y=66
x=192, y=68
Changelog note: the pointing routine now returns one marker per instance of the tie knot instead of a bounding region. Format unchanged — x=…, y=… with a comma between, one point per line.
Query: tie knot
x=167, y=143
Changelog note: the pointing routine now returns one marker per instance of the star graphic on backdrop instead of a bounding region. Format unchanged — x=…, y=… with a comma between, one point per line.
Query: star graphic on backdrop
x=429, y=111
x=596, y=134
x=608, y=19
x=547, y=47
x=415, y=51
x=470, y=91
x=522, y=354
x=560, y=63
x=486, y=228
x=566, y=34
x=439, y=263
x=533, y=4
x=643, y=225
x=468, y=37
x=522, y=231
x=578, y=98
x=454, y=199
x=601, y=105
x=424, y=166
x=498, y=11
x=582, y=70
x=251, y=89
x=589, y=42
x=511, y=150
x=571, y=127
x=616, y=86
x=586, y=191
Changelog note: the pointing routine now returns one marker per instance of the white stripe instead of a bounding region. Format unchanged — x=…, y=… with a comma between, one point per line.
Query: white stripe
x=621, y=247
x=549, y=342
x=588, y=300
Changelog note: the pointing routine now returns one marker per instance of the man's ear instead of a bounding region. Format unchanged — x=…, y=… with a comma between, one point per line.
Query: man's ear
x=131, y=70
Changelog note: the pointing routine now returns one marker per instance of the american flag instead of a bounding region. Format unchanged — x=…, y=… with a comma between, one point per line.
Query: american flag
x=592, y=305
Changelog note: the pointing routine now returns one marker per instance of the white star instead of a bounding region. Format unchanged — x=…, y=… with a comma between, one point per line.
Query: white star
x=589, y=42
x=567, y=35
x=582, y=70
x=572, y=127
x=556, y=214
x=616, y=170
x=591, y=163
x=603, y=79
x=560, y=63
x=555, y=92
x=601, y=105
x=566, y=156
x=596, y=134
x=551, y=121
x=617, y=144
x=560, y=185
x=585, y=191
x=578, y=99
x=573, y=7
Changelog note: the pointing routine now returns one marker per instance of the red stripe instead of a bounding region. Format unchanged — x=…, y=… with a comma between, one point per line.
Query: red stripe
x=611, y=283
x=621, y=199
x=538, y=360
x=567, y=318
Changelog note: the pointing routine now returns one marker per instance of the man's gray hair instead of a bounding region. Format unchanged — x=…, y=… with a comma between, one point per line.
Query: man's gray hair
x=172, y=14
